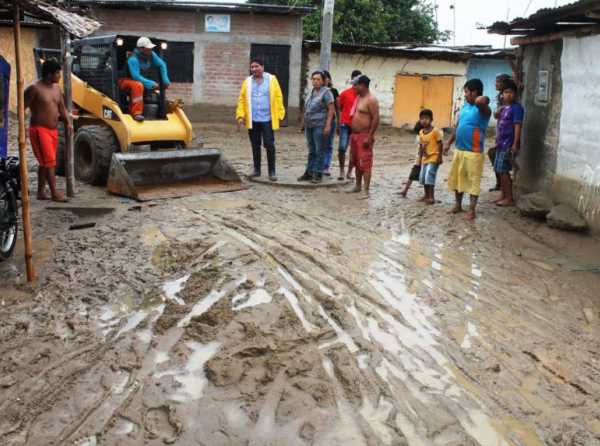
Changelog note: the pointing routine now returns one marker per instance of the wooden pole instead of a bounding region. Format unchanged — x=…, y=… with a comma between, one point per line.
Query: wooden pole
x=22, y=148
x=67, y=85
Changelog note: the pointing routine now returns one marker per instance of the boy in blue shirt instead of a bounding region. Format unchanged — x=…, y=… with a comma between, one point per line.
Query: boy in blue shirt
x=467, y=164
x=508, y=140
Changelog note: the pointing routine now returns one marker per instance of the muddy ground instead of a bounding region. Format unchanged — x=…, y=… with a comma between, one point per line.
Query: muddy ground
x=276, y=316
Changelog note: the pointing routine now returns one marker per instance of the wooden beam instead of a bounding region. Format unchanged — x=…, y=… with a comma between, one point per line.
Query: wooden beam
x=23, y=148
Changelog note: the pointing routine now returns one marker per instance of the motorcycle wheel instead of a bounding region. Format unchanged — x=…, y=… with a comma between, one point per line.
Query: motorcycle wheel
x=8, y=236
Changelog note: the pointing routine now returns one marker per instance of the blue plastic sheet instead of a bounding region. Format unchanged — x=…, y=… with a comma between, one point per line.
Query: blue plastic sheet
x=4, y=85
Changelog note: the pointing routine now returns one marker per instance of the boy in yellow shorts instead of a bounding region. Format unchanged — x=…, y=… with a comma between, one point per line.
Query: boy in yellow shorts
x=467, y=164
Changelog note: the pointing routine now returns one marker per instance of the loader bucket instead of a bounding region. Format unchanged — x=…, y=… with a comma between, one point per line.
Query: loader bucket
x=169, y=174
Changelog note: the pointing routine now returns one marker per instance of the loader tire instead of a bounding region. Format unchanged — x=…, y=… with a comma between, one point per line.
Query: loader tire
x=94, y=147
x=61, y=160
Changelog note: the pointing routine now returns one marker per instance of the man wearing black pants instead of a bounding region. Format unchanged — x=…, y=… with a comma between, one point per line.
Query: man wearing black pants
x=260, y=108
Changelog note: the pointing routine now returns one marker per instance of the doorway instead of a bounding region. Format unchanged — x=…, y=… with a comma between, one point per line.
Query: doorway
x=277, y=61
x=414, y=93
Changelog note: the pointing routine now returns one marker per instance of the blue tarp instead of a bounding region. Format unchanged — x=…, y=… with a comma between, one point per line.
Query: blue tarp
x=4, y=84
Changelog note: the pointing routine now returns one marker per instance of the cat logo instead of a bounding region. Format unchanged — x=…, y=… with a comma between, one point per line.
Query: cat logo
x=107, y=113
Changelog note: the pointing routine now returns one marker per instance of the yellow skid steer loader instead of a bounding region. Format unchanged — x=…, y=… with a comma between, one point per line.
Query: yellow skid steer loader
x=141, y=160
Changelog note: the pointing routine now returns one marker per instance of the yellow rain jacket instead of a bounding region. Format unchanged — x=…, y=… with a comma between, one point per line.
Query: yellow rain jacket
x=244, y=109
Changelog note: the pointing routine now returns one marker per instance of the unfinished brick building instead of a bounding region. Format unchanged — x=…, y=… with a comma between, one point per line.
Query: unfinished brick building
x=210, y=44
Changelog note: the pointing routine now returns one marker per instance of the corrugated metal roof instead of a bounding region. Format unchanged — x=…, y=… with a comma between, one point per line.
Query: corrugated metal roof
x=199, y=5
x=421, y=51
x=583, y=13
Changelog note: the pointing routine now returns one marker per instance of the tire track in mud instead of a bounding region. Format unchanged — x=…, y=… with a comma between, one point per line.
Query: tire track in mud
x=253, y=232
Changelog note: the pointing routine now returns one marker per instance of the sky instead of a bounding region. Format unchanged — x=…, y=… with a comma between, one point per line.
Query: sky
x=470, y=13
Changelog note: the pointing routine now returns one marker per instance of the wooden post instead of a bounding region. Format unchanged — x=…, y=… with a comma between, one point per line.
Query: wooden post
x=23, y=148
x=69, y=160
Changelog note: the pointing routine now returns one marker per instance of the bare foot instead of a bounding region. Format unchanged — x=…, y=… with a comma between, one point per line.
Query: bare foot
x=455, y=210
x=59, y=198
x=354, y=190
x=365, y=195
x=349, y=176
x=505, y=203
x=470, y=215
x=402, y=193
x=422, y=199
x=497, y=200
x=42, y=197
x=429, y=201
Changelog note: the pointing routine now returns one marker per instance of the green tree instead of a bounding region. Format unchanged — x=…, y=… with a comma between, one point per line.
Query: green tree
x=373, y=21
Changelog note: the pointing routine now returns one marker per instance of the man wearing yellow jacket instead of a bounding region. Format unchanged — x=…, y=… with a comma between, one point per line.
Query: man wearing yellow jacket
x=260, y=107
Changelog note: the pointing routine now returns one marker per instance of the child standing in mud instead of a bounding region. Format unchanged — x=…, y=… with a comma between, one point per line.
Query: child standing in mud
x=415, y=171
x=508, y=140
x=430, y=146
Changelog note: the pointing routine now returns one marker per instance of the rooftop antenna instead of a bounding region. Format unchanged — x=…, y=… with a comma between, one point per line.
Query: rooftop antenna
x=453, y=8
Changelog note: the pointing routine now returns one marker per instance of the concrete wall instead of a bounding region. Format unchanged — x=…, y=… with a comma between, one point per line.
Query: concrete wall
x=220, y=59
x=382, y=71
x=487, y=70
x=538, y=157
x=577, y=179
x=7, y=49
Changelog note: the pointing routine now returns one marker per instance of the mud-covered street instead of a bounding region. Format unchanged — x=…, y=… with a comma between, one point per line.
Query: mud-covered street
x=281, y=316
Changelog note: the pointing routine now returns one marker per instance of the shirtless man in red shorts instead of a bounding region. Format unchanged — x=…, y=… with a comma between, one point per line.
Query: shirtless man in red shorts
x=365, y=120
x=45, y=101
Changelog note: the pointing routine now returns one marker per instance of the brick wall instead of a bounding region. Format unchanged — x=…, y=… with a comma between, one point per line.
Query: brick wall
x=146, y=22
x=225, y=67
x=181, y=91
x=263, y=25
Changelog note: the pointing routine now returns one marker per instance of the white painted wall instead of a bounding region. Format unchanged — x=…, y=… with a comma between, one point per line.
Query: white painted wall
x=382, y=71
x=578, y=155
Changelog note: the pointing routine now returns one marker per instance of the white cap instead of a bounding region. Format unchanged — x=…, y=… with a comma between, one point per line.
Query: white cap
x=145, y=42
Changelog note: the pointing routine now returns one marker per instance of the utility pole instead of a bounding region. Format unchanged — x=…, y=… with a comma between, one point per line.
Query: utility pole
x=67, y=60
x=327, y=34
x=69, y=152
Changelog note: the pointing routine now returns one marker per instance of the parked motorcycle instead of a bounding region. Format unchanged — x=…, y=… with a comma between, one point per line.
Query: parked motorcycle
x=10, y=188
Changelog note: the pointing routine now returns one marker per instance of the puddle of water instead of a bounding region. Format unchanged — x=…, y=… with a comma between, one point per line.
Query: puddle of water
x=363, y=361
x=245, y=240
x=133, y=321
x=161, y=357
x=257, y=297
x=436, y=265
x=172, y=287
x=471, y=333
x=377, y=418
x=342, y=335
x=123, y=427
x=328, y=366
x=121, y=383
x=192, y=378
x=88, y=441
x=405, y=340
x=293, y=301
x=326, y=290
x=200, y=307
x=294, y=283
x=357, y=318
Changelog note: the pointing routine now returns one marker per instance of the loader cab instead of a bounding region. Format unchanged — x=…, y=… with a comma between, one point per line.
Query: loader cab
x=101, y=61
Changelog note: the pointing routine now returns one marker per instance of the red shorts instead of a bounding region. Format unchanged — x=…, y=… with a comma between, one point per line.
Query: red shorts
x=44, y=142
x=362, y=156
